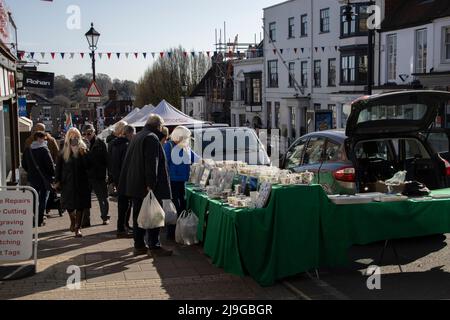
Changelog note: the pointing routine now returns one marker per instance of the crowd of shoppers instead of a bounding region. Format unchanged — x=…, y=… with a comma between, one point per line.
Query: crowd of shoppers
x=134, y=164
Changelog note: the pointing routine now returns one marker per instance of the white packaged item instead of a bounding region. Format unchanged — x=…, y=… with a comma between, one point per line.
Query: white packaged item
x=151, y=216
x=186, y=230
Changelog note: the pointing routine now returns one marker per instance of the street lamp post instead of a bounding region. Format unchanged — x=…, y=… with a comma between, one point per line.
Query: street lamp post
x=184, y=87
x=92, y=37
x=349, y=15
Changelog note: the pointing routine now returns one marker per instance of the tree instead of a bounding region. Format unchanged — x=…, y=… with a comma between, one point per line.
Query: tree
x=62, y=101
x=163, y=80
x=62, y=87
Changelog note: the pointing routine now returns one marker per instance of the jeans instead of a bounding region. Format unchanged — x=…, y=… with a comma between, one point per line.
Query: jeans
x=43, y=197
x=124, y=205
x=179, y=200
x=139, y=234
x=101, y=191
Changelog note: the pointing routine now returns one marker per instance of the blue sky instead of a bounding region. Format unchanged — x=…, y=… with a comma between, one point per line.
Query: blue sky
x=129, y=26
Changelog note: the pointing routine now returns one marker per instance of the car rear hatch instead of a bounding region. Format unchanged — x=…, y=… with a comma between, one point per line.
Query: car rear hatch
x=393, y=114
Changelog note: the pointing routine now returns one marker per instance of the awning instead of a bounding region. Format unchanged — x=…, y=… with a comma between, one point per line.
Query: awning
x=25, y=124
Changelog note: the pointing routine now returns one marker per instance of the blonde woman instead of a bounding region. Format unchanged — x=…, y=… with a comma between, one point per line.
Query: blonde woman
x=179, y=159
x=72, y=179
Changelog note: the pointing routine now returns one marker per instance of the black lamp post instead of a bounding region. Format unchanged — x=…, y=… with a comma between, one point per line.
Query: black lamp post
x=184, y=87
x=349, y=14
x=92, y=37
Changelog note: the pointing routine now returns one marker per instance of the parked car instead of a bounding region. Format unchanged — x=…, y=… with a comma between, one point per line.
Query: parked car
x=385, y=134
x=229, y=143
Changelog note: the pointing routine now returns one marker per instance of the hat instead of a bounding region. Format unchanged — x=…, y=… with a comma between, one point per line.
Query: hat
x=88, y=127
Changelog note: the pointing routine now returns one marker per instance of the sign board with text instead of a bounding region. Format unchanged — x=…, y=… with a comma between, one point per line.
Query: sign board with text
x=17, y=207
x=36, y=79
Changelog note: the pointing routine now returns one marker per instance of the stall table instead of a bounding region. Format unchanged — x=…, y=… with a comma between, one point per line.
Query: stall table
x=301, y=230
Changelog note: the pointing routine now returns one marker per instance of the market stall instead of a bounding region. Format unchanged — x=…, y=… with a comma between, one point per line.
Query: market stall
x=301, y=228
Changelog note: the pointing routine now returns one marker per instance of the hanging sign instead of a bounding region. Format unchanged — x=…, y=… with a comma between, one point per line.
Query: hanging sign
x=36, y=79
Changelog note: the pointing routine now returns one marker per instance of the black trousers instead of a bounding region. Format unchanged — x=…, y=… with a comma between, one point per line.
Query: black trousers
x=124, y=206
x=179, y=200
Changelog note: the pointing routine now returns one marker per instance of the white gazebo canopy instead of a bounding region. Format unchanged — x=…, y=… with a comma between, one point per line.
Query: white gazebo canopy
x=171, y=115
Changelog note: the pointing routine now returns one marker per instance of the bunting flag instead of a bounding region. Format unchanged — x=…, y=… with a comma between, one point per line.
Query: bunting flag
x=62, y=55
x=336, y=48
x=72, y=55
x=323, y=49
x=170, y=55
x=136, y=55
x=109, y=55
x=100, y=55
x=208, y=53
x=161, y=54
x=43, y=55
x=118, y=55
x=303, y=49
x=127, y=54
x=145, y=55
x=281, y=51
x=53, y=54
x=316, y=49
x=274, y=51
x=21, y=55
x=91, y=55
x=82, y=55
x=153, y=55
x=295, y=50
x=32, y=55
x=193, y=54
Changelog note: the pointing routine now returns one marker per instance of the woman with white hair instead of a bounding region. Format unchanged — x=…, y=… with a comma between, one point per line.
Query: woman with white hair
x=72, y=179
x=179, y=159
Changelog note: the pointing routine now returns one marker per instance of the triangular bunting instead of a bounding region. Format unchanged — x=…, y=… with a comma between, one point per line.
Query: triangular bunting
x=72, y=55
x=62, y=55
x=53, y=55
x=170, y=55
x=82, y=55
x=281, y=51
x=21, y=55
x=136, y=55
x=91, y=55
x=193, y=54
x=100, y=55
x=43, y=55
x=323, y=49
x=316, y=49
x=153, y=55
x=336, y=48
x=108, y=55
x=118, y=55
x=295, y=50
x=145, y=55
x=303, y=49
x=274, y=51
x=127, y=54
x=208, y=53
x=161, y=54
x=32, y=55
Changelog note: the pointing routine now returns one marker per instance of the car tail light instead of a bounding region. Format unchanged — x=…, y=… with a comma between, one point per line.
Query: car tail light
x=447, y=167
x=347, y=174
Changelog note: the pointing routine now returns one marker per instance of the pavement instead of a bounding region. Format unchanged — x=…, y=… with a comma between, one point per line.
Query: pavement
x=109, y=270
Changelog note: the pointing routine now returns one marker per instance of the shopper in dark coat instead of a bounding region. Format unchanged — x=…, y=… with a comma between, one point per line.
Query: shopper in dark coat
x=118, y=151
x=145, y=169
x=73, y=180
x=38, y=163
x=98, y=165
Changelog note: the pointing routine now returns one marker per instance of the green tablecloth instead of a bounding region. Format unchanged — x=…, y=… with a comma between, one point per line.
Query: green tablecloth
x=301, y=229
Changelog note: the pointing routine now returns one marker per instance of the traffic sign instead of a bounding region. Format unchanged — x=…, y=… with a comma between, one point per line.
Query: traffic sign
x=93, y=90
x=94, y=99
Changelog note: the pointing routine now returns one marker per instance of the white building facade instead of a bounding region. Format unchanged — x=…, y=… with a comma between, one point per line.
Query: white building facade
x=315, y=62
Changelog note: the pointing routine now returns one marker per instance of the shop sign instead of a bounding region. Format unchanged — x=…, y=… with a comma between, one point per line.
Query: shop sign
x=22, y=104
x=36, y=79
x=16, y=224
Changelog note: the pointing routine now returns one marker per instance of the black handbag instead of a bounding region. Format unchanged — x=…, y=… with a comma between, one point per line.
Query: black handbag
x=415, y=189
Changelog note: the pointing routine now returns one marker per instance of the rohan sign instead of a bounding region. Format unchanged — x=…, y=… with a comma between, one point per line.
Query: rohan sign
x=36, y=79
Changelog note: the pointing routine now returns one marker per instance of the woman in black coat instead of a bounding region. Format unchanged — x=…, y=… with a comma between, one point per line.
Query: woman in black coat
x=72, y=179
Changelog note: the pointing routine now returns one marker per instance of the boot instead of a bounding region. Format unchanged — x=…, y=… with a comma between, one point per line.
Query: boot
x=72, y=216
x=78, y=224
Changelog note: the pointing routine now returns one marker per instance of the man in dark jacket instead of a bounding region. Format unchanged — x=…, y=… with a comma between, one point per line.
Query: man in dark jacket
x=145, y=169
x=38, y=163
x=118, y=150
x=98, y=165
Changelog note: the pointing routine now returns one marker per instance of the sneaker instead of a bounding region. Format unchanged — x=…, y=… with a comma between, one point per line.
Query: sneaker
x=139, y=252
x=161, y=252
x=105, y=222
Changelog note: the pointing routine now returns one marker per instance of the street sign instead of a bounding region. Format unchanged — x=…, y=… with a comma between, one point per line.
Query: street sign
x=35, y=79
x=94, y=99
x=93, y=90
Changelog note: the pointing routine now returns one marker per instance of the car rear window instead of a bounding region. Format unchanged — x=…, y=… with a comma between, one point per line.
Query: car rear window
x=439, y=142
x=413, y=112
